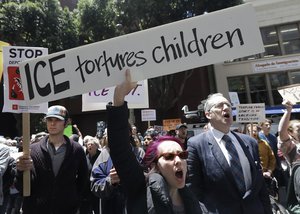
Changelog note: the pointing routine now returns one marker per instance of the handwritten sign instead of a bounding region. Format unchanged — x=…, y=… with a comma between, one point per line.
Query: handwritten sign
x=148, y=115
x=13, y=90
x=179, y=46
x=97, y=100
x=291, y=93
x=170, y=124
x=250, y=113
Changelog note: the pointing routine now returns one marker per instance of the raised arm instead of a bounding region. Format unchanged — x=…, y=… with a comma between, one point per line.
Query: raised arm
x=124, y=160
x=284, y=122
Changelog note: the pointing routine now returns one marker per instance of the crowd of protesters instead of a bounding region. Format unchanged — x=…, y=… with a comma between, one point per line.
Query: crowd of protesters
x=132, y=173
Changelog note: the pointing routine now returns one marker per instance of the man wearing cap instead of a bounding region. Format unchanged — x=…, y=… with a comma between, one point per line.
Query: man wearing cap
x=58, y=169
x=181, y=134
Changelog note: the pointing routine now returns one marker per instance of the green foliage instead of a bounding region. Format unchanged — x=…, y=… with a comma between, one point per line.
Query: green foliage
x=96, y=20
x=38, y=23
x=10, y=23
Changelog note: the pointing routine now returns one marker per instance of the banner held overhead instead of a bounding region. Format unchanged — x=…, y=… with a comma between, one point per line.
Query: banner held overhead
x=194, y=42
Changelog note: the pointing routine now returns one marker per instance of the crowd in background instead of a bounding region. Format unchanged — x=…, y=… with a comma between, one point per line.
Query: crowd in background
x=104, y=194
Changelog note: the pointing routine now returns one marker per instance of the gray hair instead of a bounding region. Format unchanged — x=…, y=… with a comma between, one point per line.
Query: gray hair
x=209, y=104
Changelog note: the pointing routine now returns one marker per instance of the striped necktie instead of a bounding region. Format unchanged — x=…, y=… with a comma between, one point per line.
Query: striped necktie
x=235, y=164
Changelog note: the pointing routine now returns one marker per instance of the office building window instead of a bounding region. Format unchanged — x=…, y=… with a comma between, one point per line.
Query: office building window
x=278, y=40
x=271, y=41
x=290, y=38
x=295, y=77
x=258, y=90
x=237, y=84
x=278, y=80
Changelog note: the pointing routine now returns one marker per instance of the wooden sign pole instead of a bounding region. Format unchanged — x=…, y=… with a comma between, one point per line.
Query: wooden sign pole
x=26, y=143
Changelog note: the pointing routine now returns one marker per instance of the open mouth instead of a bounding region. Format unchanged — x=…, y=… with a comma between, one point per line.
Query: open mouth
x=179, y=174
x=227, y=115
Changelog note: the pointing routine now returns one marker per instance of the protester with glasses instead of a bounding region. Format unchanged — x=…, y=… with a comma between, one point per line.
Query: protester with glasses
x=162, y=189
x=224, y=166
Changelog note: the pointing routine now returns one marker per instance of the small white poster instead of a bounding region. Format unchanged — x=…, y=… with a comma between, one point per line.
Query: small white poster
x=250, y=113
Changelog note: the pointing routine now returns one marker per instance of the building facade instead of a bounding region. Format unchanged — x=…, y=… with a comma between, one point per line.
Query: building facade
x=256, y=78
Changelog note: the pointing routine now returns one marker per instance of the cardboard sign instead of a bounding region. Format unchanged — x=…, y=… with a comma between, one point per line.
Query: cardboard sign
x=194, y=42
x=148, y=115
x=250, y=113
x=170, y=124
x=97, y=100
x=291, y=93
x=13, y=88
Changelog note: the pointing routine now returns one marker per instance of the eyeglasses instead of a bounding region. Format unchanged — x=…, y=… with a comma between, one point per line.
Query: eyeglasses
x=221, y=105
x=171, y=156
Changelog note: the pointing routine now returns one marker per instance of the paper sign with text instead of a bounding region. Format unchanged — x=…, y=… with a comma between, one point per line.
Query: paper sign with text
x=234, y=98
x=250, y=113
x=170, y=124
x=13, y=88
x=291, y=93
x=97, y=100
x=148, y=114
x=194, y=42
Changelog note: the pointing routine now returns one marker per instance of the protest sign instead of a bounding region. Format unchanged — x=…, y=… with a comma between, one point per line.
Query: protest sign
x=291, y=93
x=13, y=88
x=97, y=100
x=250, y=113
x=148, y=115
x=179, y=46
x=234, y=98
x=170, y=124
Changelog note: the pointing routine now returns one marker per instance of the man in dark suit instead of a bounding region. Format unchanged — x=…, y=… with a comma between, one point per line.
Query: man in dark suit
x=224, y=166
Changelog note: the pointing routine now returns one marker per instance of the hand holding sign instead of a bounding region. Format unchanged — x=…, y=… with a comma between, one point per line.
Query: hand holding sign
x=288, y=105
x=123, y=89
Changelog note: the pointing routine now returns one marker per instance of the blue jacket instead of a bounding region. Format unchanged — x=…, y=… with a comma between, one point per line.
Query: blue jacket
x=112, y=196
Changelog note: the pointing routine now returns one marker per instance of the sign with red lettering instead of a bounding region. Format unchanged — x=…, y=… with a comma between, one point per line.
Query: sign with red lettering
x=97, y=100
x=13, y=90
x=179, y=46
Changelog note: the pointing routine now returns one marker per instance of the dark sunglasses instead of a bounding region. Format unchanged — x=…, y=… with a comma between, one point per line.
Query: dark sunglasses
x=171, y=156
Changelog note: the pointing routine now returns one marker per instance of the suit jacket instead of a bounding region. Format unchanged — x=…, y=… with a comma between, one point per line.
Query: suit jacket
x=211, y=179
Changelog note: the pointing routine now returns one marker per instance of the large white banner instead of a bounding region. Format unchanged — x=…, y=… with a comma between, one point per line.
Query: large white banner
x=13, y=90
x=97, y=100
x=179, y=46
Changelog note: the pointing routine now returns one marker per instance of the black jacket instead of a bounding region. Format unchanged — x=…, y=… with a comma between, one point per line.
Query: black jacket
x=60, y=194
x=139, y=191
